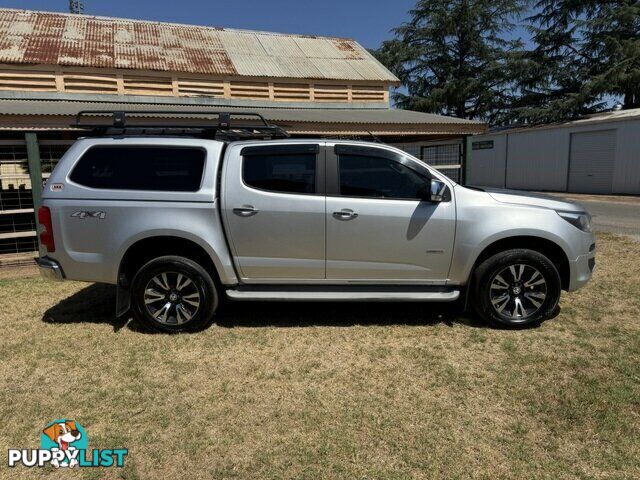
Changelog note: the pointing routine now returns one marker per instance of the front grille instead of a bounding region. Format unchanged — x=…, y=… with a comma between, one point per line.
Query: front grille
x=592, y=264
x=592, y=247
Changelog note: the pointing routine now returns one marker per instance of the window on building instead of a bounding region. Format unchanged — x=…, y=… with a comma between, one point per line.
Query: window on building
x=175, y=169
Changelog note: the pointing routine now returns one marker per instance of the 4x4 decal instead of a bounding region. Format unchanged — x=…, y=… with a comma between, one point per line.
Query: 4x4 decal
x=99, y=215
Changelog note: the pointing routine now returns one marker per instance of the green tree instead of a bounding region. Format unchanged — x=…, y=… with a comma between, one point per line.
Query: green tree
x=585, y=53
x=454, y=58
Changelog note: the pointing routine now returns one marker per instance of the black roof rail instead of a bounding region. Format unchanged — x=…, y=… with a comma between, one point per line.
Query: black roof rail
x=219, y=128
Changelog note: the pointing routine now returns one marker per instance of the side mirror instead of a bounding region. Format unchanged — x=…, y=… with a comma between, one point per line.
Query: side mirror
x=437, y=191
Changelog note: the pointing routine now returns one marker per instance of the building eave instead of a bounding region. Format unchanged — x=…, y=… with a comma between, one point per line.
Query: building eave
x=18, y=114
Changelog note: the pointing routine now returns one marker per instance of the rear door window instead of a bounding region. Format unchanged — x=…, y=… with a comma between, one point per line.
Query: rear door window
x=176, y=169
x=283, y=169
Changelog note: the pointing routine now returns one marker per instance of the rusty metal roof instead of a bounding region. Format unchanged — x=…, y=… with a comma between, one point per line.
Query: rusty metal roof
x=29, y=37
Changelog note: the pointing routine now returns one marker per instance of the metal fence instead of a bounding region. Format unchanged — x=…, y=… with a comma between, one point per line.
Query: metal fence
x=445, y=157
x=17, y=219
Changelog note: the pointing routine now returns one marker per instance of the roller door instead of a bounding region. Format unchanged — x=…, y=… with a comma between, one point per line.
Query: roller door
x=591, y=162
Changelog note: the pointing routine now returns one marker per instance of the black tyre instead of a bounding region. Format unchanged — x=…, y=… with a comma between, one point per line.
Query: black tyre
x=516, y=288
x=173, y=294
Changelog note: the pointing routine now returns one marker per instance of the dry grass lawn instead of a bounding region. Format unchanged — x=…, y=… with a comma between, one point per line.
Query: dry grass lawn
x=332, y=391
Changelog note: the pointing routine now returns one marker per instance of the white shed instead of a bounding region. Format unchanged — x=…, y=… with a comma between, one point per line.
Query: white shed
x=599, y=153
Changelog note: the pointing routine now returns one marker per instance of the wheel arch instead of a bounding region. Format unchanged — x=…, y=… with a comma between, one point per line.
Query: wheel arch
x=548, y=248
x=145, y=249
x=148, y=248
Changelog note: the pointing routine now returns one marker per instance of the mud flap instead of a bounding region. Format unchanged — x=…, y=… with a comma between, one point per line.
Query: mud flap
x=123, y=297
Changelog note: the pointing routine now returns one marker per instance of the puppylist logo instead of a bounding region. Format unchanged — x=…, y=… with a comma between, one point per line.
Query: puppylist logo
x=64, y=443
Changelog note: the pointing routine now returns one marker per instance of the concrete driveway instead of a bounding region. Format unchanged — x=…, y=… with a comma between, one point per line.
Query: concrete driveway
x=613, y=214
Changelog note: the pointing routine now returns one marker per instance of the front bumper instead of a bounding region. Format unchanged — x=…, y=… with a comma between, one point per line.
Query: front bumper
x=581, y=269
x=50, y=269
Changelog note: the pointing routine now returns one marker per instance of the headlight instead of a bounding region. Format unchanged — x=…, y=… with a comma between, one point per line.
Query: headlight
x=581, y=220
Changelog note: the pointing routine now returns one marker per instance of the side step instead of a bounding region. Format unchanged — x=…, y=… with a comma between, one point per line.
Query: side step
x=343, y=294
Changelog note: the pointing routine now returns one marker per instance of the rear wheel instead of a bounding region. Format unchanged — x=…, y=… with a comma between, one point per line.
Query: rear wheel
x=516, y=288
x=173, y=294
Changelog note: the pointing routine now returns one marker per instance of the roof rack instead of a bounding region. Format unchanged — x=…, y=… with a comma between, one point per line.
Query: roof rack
x=219, y=127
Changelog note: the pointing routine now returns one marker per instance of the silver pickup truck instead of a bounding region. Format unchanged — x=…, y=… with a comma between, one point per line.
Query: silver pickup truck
x=180, y=223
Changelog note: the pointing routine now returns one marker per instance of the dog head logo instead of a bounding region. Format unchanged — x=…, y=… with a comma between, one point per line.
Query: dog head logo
x=64, y=435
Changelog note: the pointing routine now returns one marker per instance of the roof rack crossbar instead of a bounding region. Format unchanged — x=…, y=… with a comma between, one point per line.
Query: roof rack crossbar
x=223, y=126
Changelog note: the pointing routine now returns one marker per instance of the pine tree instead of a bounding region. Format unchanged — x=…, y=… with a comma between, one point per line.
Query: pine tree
x=452, y=57
x=612, y=43
x=586, y=52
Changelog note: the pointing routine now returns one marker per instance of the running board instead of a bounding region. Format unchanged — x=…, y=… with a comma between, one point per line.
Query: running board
x=343, y=294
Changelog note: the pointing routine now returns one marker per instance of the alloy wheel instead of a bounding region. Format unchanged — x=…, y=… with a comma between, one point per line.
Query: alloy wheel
x=172, y=298
x=518, y=292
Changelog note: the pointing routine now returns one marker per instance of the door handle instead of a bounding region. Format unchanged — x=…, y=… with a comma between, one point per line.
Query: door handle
x=345, y=214
x=245, y=211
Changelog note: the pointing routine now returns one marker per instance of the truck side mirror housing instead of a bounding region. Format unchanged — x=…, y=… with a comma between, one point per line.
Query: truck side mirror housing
x=437, y=191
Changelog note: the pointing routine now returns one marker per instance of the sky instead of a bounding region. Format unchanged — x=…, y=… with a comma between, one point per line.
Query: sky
x=367, y=21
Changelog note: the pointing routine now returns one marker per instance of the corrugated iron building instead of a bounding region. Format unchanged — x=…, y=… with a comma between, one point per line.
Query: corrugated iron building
x=53, y=65
x=596, y=154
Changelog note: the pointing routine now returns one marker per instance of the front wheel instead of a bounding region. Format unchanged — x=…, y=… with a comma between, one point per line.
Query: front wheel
x=173, y=294
x=516, y=288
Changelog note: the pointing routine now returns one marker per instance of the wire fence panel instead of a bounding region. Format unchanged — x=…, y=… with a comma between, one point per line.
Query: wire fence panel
x=15, y=199
x=447, y=158
x=18, y=245
x=447, y=154
x=17, y=220
x=453, y=173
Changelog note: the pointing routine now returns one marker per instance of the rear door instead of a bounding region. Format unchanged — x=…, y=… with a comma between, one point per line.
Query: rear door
x=379, y=230
x=274, y=208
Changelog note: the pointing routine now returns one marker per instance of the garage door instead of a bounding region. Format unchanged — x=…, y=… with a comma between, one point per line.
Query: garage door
x=591, y=162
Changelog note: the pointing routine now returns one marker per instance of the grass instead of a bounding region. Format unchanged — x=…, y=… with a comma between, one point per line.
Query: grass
x=332, y=390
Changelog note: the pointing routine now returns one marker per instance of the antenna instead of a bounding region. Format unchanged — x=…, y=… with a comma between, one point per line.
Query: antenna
x=76, y=6
x=375, y=139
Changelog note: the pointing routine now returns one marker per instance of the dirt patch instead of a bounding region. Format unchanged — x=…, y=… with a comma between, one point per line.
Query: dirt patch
x=20, y=271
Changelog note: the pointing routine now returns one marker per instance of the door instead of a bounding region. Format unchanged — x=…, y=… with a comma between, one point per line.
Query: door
x=592, y=161
x=274, y=211
x=379, y=230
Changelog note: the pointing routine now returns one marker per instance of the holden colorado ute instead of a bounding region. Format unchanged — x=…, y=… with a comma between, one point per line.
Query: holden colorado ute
x=179, y=222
